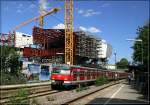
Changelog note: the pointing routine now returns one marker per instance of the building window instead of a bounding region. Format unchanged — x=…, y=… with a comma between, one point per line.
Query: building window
x=24, y=35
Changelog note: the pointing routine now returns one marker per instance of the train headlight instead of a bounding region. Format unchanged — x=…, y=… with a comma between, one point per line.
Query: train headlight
x=53, y=80
x=65, y=78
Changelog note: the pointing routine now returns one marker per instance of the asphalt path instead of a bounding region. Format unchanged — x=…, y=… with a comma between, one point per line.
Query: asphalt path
x=119, y=94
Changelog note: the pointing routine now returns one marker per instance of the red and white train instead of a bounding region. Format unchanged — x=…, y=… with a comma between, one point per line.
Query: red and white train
x=73, y=75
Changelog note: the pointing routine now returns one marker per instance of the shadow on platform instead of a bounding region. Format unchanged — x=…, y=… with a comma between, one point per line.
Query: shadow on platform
x=115, y=101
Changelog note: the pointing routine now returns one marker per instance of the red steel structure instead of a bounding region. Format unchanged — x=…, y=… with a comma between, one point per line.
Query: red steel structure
x=46, y=37
x=52, y=41
x=33, y=52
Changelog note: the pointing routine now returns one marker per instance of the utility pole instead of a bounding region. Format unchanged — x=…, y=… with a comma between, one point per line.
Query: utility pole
x=138, y=40
x=142, y=50
x=115, y=60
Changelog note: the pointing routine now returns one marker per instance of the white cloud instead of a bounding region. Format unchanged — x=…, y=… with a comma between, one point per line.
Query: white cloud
x=90, y=29
x=22, y=9
x=19, y=11
x=88, y=13
x=32, y=6
x=19, y=6
x=82, y=28
x=43, y=6
x=59, y=26
x=80, y=11
x=105, y=5
x=94, y=30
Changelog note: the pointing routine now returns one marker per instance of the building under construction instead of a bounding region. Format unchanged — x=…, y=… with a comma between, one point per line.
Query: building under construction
x=51, y=46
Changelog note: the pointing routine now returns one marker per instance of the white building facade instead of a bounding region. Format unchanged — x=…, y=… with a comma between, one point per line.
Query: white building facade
x=23, y=40
x=104, y=49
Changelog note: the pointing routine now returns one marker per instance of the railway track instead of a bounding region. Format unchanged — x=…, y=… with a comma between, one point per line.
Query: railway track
x=39, y=90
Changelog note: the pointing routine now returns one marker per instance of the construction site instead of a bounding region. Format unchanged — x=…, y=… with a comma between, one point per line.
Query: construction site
x=61, y=46
x=56, y=52
x=52, y=45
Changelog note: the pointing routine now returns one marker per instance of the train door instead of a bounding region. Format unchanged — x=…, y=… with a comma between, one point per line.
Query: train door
x=81, y=74
x=95, y=74
x=106, y=74
x=74, y=71
x=78, y=74
x=71, y=74
x=91, y=76
x=88, y=74
x=85, y=74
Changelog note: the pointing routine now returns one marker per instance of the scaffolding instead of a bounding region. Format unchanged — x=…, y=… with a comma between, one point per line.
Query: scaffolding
x=52, y=45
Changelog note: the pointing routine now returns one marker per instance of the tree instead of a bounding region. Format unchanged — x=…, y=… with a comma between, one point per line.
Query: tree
x=9, y=59
x=122, y=64
x=10, y=66
x=143, y=34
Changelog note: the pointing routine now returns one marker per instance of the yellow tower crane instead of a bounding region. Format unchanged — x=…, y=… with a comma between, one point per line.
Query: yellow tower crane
x=69, y=55
x=40, y=18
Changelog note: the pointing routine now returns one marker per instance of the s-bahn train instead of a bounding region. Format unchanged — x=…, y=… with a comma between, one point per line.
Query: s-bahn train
x=73, y=75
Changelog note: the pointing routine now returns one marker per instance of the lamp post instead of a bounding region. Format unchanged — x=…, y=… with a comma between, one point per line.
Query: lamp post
x=115, y=60
x=138, y=40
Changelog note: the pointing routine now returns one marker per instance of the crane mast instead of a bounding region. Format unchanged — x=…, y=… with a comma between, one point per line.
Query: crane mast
x=69, y=32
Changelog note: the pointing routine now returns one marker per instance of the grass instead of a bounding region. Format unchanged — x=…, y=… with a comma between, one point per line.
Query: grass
x=102, y=80
x=81, y=88
x=21, y=98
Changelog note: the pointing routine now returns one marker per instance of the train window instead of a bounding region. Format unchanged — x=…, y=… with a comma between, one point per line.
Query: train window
x=61, y=70
x=56, y=71
x=88, y=73
x=76, y=72
x=81, y=73
x=64, y=72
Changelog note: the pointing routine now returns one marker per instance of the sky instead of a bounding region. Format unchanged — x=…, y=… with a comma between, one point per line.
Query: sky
x=113, y=21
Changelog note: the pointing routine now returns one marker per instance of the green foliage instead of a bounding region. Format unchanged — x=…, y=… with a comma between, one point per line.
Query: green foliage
x=8, y=79
x=122, y=64
x=10, y=66
x=102, y=80
x=143, y=34
x=9, y=59
x=21, y=98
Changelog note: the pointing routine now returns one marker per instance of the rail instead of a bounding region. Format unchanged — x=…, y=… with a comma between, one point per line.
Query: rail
x=34, y=89
x=84, y=94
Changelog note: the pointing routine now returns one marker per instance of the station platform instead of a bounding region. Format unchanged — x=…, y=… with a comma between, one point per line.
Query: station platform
x=120, y=94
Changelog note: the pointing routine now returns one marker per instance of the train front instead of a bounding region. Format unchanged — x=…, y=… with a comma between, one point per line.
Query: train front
x=61, y=75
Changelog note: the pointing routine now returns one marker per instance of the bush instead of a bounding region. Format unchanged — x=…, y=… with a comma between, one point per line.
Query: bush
x=8, y=79
x=102, y=80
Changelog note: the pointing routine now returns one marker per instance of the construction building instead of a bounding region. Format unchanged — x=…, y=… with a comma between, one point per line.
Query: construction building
x=51, y=48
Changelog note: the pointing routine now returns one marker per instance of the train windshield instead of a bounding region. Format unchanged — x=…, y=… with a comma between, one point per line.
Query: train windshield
x=61, y=70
